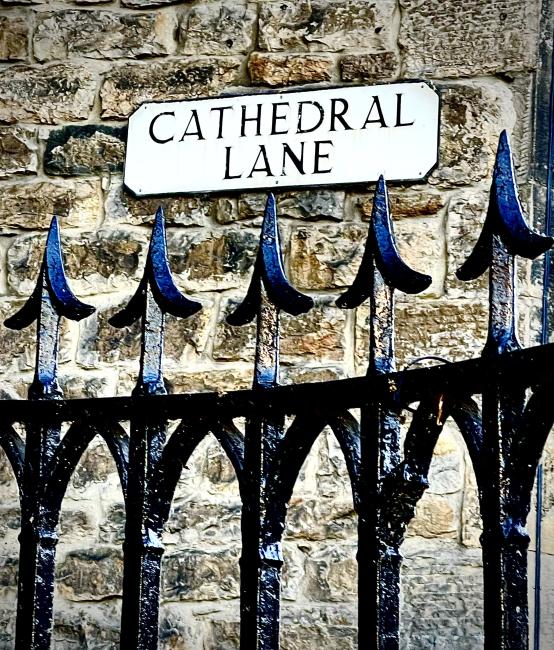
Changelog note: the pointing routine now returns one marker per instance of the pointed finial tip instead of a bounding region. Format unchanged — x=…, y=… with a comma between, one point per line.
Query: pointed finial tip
x=503, y=142
x=54, y=228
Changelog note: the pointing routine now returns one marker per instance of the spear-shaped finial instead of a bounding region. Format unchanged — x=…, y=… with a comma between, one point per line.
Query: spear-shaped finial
x=155, y=296
x=504, y=219
x=51, y=299
x=505, y=234
x=381, y=271
x=269, y=293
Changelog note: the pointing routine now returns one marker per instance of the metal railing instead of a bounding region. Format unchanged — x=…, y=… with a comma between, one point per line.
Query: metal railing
x=505, y=435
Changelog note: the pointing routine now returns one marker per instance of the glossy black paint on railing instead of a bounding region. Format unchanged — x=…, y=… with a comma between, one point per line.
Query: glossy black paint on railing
x=505, y=438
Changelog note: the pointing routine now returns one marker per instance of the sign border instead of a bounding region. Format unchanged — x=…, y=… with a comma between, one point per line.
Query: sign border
x=293, y=188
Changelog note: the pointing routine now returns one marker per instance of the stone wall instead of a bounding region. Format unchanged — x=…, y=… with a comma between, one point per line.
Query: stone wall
x=71, y=74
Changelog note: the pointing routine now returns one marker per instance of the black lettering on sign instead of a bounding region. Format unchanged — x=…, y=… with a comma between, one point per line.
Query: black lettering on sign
x=298, y=162
x=221, y=110
x=275, y=118
x=265, y=167
x=336, y=115
x=315, y=126
x=257, y=120
x=198, y=132
x=378, y=120
x=399, y=112
x=318, y=156
x=151, y=129
x=228, y=174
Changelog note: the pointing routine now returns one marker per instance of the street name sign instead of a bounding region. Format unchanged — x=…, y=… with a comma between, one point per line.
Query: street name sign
x=333, y=136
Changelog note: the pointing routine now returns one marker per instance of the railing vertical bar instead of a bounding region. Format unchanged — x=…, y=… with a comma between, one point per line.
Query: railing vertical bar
x=381, y=271
x=51, y=299
x=262, y=512
x=504, y=544
x=38, y=541
x=143, y=548
x=261, y=563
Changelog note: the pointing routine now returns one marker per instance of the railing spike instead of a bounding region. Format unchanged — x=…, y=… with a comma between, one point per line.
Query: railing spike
x=380, y=249
x=504, y=218
x=51, y=277
x=269, y=270
x=157, y=276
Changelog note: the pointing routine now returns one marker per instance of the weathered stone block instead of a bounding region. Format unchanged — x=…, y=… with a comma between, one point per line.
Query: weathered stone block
x=472, y=118
x=466, y=215
x=318, y=334
x=406, y=202
x=91, y=574
x=102, y=34
x=100, y=343
x=446, y=473
x=472, y=526
x=456, y=330
x=97, y=627
x=126, y=87
x=219, y=28
x=212, y=260
x=320, y=519
x=31, y=206
x=302, y=373
x=435, y=517
x=179, y=629
x=18, y=151
x=148, y=4
x=450, y=39
x=76, y=523
x=308, y=627
x=123, y=208
x=46, y=94
x=83, y=150
x=308, y=205
x=442, y=594
x=422, y=245
x=195, y=574
x=326, y=257
x=197, y=523
x=327, y=26
x=102, y=261
x=10, y=518
x=112, y=526
x=8, y=571
x=312, y=205
x=208, y=380
x=288, y=69
x=380, y=66
x=332, y=574
x=14, y=37
x=17, y=352
x=95, y=466
x=89, y=385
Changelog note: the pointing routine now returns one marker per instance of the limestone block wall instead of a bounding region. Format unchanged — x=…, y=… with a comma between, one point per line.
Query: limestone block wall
x=70, y=75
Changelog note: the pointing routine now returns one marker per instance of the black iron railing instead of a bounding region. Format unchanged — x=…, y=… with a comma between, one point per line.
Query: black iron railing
x=505, y=435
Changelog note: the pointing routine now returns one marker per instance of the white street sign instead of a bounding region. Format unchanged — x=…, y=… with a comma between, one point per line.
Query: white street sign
x=334, y=136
